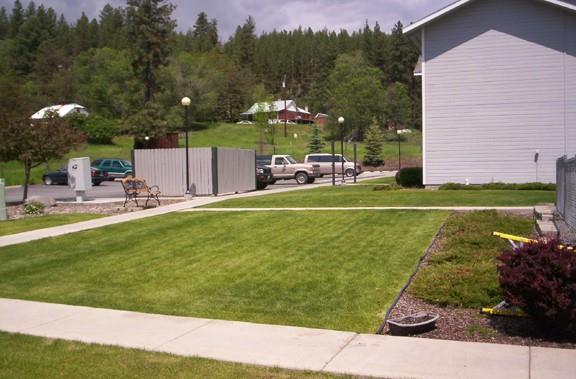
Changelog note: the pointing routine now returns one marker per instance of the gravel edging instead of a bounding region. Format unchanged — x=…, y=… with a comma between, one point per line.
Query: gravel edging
x=17, y=211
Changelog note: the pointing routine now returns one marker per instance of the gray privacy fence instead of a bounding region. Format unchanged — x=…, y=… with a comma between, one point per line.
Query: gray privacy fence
x=566, y=189
x=212, y=170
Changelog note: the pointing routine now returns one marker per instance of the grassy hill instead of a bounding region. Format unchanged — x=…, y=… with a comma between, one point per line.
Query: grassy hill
x=221, y=135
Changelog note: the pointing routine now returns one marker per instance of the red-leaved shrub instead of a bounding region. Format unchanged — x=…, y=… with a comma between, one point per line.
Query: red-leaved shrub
x=540, y=279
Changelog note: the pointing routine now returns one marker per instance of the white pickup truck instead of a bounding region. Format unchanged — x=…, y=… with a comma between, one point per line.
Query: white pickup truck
x=284, y=167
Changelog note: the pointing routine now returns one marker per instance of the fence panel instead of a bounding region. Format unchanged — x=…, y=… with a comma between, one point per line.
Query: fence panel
x=162, y=167
x=236, y=170
x=212, y=170
x=200, y=171
x=560, y=185
x=566, y=190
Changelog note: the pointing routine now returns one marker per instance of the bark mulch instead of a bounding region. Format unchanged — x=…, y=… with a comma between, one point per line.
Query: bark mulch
x=464, y=324
x=468, y=324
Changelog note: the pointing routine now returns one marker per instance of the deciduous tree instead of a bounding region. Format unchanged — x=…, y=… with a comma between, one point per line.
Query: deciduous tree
x=34, y=142
x=355, y=92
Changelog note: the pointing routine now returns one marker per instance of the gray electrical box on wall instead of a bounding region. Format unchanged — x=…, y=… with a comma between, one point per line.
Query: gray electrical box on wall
x=79, y=176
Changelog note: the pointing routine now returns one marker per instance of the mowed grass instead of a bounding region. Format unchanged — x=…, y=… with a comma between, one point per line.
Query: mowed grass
x=335, y=270
x=366, y=196
x=40, y=222
x=217, y=134
x=33, y=357
x=463, y=271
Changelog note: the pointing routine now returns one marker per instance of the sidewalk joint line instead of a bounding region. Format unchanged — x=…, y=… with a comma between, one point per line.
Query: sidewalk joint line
x=339, y=351
x=529, y=362
x=182, y=335
x=44, y=323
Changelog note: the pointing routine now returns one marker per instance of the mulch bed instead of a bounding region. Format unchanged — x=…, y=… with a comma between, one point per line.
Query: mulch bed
x=466, y=324
x=463, y=324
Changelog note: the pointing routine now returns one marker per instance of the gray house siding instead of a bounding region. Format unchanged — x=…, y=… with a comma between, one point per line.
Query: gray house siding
x=499, y=85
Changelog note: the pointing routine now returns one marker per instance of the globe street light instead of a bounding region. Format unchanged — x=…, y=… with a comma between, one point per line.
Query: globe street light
x=341, y=123
x=186, y=104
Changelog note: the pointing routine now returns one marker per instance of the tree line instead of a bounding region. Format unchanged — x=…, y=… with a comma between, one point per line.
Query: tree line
x=107, y=64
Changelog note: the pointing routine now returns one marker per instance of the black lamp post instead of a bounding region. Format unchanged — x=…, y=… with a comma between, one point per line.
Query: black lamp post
x=341, y=123
x=186, y=104
x=399, y=158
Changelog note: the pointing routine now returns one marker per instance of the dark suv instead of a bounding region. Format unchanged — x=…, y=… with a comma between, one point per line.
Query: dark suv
x=116, y=168
x=263, y=177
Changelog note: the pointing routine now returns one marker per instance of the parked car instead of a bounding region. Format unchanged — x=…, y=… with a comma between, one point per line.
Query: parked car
x=325, y=162
x=61, y=177
x=263, y=177
x=116, y=168
x=285, y=167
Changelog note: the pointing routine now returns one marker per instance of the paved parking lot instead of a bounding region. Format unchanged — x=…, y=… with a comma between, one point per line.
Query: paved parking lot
x=64, y=193
x=108, y=190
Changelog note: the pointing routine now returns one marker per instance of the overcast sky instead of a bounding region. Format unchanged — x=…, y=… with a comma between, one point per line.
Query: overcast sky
x=272, y=14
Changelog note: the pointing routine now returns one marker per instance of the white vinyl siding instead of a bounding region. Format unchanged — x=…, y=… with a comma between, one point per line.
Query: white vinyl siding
x=499, y=85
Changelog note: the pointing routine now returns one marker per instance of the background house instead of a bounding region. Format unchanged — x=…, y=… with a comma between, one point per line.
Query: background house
x=321, y=119
x=62, y=110
x=498, y=88
x=282, y=110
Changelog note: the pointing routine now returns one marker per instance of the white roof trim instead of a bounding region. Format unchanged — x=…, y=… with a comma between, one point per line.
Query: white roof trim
x=458, y=4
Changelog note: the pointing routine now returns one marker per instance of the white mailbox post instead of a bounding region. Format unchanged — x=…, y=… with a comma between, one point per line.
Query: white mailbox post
x=79, y=176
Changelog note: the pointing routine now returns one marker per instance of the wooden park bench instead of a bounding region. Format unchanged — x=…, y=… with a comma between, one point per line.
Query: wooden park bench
x=135, y=188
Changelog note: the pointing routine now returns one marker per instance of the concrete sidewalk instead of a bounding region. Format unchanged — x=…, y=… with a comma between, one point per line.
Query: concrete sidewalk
x=286, y=347
x=33, y=235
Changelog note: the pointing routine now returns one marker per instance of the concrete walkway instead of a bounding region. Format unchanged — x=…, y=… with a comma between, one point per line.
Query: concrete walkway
x=286, y=347
x=33, y=235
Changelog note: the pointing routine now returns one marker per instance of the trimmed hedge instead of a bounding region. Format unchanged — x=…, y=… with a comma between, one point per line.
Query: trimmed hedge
x=540, y=279
x=410, y=177
x=534, y=186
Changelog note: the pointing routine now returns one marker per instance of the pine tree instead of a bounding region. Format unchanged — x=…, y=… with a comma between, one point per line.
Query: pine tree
x=17, y=18
x=150, y=27
x=374, y=141
x=204, y=34
x=244, y=43
x=4, y=23
x=316, y=142
x=112, y=31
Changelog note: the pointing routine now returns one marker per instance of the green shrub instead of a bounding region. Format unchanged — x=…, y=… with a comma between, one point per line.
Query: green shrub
x=386, y=187
x=100, y=130
x=535, y=186
x=34, y=208
x=410, y=177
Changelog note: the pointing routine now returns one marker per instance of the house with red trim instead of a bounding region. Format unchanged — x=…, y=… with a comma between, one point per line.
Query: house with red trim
x=280, y=111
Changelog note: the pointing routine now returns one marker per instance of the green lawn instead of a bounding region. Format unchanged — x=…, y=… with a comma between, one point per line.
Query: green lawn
x=222, y=135
x=40, y=222
x=33, y=357
x=336, y=270
x=463, y=271
x=366, y=196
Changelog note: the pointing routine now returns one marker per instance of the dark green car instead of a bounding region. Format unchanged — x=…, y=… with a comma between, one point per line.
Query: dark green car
x=116, y=168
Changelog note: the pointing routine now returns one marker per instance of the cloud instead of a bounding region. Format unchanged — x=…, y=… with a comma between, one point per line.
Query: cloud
x=272, y=14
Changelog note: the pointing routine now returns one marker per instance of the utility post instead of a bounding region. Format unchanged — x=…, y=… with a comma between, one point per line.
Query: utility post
x=341, y=123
